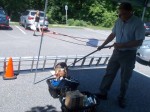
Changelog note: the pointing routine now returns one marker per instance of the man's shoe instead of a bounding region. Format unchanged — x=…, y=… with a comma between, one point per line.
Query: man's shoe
x=34, y=35
x=101, y=96
x=121, y=102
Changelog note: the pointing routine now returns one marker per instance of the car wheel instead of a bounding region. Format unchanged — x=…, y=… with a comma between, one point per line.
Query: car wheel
x=25, y=25
x=7, y=27
x=143, y=62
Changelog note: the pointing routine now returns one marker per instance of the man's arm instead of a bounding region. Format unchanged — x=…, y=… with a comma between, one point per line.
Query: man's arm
x=130, y=44
x=109, y=39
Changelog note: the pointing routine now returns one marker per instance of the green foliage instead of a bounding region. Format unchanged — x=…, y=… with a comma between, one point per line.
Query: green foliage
x=83, y=12
x=108, y=19
x=96, y=11
x=72, y=22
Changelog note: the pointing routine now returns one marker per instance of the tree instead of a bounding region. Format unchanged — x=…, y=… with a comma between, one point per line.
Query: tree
x=96, y=12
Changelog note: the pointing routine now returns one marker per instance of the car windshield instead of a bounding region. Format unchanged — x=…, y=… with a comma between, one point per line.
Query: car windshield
x=41, y=14
x=2, y=12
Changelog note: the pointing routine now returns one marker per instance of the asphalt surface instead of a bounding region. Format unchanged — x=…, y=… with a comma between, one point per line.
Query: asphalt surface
x=20, y=42
x=21, y=95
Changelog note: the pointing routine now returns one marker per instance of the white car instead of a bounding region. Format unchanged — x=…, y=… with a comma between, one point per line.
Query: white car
x=143, y=53
x=27, y=19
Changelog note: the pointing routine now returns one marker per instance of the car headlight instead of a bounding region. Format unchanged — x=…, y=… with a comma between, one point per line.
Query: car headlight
x=145, y=46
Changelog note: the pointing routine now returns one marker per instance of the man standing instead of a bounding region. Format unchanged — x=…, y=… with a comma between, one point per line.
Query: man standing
x=130, y=33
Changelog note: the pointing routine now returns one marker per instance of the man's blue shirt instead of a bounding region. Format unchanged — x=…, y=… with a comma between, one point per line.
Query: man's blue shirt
x=132, y=29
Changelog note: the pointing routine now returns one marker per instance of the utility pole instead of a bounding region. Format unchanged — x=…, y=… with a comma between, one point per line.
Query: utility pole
x=38, y=58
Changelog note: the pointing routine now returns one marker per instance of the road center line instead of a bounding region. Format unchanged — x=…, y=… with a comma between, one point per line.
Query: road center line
x=20, y=29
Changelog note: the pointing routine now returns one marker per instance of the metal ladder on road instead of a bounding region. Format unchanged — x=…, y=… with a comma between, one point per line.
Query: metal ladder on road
x=48, y=62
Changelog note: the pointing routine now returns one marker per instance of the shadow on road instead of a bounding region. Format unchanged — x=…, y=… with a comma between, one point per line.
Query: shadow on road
x=47, y=108
x=37, y=35
x=29, y=29
x=92, y=42
x=138, y=94
x=6, y=28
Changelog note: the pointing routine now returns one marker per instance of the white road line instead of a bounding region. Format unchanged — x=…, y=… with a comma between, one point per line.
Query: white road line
x=142, y=73
x=21, y=30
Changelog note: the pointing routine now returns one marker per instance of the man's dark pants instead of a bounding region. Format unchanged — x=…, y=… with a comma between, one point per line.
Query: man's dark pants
x=125, y=60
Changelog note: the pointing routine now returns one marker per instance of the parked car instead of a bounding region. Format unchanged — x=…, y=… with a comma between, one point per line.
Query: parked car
x=147, y=28
x=27, y=19
x=4, y=19
x=143, y=53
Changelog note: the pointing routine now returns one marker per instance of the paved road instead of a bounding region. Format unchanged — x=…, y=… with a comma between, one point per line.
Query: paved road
x=21, y=95
x=18, y=42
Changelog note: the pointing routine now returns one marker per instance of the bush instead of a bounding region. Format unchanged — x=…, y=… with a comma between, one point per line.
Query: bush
x=80, y=23
x=72, y=22
x=96, y=11
x=108, y=19
x=49, y=16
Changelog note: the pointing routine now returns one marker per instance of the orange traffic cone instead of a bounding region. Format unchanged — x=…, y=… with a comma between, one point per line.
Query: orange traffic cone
x=9, y=74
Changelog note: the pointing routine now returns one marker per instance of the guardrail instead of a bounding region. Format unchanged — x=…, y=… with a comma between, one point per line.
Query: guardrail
x=48, y=62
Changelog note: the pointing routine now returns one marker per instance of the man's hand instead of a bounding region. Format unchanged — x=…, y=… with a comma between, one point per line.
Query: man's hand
x=100, y=47
x=119, y=45
x=109, y=39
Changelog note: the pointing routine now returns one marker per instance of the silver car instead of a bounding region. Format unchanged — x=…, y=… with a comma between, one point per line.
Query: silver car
x=143, y=52
x=27, y=19
x=4, y=19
